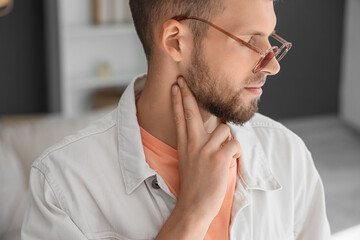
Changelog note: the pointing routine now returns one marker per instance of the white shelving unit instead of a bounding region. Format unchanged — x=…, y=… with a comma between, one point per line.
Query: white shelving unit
x=84, y=47
x=350, y=79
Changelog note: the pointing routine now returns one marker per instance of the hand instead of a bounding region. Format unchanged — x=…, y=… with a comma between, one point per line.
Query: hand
x=204, y=158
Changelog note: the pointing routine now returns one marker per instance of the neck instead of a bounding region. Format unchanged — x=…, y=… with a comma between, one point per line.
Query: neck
x=154, y=106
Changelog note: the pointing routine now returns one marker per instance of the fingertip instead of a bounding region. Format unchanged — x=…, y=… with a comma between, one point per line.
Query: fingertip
x=180, y=81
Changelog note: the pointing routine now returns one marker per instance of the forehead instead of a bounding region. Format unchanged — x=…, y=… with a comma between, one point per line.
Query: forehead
x=243, y=16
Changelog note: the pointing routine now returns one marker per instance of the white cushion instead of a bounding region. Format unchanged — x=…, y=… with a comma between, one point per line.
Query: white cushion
x=20, y=144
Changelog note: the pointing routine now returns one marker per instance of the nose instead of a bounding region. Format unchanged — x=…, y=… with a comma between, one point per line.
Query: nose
x=272, y=68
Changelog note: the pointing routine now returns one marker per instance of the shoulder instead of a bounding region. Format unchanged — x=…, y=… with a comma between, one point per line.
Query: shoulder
x=266, y=127
x=82, y=170
x=260, y=121
x=79, y=146
x=279, y=143
x=283, y=147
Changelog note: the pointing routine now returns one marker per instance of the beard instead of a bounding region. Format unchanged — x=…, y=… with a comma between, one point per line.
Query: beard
x=214, y=93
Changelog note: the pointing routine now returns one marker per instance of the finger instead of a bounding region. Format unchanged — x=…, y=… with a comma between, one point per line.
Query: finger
x=232, y=149
x=178, y=113
x=221, y=134
x=194, y=122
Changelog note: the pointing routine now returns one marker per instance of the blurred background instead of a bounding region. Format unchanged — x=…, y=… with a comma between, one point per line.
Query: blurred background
x=65, y=63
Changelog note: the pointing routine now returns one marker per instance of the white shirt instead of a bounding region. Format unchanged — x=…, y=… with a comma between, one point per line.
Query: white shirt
x=96, y=184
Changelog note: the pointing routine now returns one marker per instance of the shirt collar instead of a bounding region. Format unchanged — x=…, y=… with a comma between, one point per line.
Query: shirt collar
x=131, y=153
x=254, y=171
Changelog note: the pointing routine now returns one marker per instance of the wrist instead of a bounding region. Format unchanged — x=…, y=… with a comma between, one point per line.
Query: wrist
x=194, y=215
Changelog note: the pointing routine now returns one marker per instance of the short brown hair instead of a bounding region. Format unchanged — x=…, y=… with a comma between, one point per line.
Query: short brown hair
x=147, y=13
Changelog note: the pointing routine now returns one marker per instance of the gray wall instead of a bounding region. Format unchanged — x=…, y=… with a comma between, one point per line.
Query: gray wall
x=308, y=82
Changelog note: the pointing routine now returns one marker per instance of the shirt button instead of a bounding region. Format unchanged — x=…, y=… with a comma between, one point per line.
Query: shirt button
x=155, y=184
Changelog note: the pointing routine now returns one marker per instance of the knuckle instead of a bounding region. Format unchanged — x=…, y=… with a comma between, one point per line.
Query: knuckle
x=188, y=114
x=237, y=143
x=178, y=119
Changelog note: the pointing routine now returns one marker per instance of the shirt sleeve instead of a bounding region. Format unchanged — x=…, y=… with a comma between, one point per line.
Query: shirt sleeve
x=311, y=221
x=44, y=216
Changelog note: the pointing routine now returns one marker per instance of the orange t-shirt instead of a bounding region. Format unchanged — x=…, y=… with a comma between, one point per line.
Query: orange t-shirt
x=164, y=160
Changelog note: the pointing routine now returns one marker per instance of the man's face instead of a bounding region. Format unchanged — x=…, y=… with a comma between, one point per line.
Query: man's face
x=221, y=68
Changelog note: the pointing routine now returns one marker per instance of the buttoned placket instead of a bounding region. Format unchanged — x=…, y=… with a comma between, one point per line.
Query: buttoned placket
x=240, y=202
x=160, y=192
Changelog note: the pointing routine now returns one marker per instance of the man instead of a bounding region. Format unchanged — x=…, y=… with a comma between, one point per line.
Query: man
x=185, y=155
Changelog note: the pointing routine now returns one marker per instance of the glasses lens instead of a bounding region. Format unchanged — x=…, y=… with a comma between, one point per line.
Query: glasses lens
x=281, y=53
x=265, y=61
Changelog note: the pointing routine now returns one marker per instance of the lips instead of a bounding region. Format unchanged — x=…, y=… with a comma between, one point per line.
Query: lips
x=256, y=91
x=257, y=86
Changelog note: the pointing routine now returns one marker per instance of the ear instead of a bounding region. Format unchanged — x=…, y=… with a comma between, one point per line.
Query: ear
x=173, y=37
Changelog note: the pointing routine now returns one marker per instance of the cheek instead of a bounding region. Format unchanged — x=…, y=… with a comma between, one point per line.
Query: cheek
x=241, y=58
x=228, y=57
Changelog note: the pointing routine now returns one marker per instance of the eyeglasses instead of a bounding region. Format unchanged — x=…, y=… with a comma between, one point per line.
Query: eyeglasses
x=266, y=56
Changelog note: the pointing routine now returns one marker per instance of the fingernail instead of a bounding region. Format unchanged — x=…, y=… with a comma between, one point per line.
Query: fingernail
x=180, y=82
x=174, y=90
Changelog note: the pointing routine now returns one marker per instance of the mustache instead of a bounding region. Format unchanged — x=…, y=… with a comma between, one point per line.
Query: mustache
x=258, y=79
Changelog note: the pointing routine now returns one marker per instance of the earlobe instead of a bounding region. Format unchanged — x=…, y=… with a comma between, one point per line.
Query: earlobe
x=171, y=39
